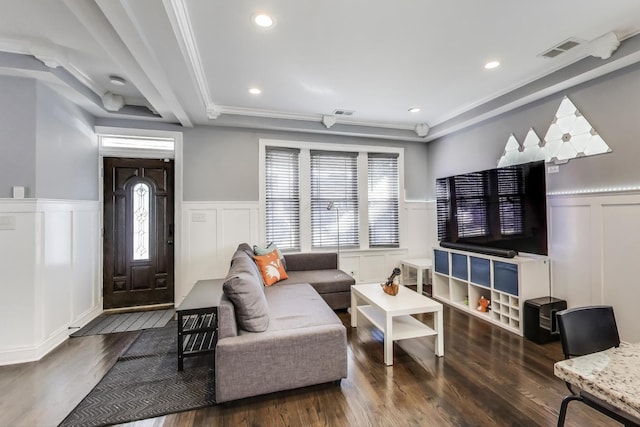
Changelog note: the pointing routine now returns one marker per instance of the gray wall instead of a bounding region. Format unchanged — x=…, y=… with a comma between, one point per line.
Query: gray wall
x=66, y=149
x=610, y=103
x=17, y=135
x=221, y=164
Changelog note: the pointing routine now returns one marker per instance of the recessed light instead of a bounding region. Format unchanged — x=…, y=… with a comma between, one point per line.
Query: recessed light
x=414, y=110
x=117, y=80
x=255, y=91
x=263, y=20
x=491, y=64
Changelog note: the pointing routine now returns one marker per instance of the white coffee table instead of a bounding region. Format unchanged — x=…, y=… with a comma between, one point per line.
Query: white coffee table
x=392, y=315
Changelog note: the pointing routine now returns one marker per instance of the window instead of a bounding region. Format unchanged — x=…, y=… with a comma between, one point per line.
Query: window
x=140, y=221
x=282, y=197
x=321, y=196
x=334, y=178
x=383, y=200
x=137, y=142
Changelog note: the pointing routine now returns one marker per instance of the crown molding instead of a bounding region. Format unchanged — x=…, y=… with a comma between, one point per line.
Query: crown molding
x=270, y=114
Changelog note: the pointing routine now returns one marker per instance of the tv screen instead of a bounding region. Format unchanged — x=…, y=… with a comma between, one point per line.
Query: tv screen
x=503, y=208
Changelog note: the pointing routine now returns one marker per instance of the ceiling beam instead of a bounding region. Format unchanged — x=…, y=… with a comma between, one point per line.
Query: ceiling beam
x=90, y=15
x=126, y=24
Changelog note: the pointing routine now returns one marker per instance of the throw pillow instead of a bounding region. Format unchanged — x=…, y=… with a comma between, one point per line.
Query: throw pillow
x=242, y=286
x=258, y=250
x=271, y=268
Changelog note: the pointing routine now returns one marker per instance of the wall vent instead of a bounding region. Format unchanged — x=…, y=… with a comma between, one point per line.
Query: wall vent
x=343, y=112
x=561, y=48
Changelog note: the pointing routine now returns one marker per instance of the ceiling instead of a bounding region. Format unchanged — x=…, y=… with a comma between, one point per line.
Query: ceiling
x=192, y=62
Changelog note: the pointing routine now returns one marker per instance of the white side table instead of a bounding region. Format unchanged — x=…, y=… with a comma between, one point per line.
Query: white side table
x=420, y=264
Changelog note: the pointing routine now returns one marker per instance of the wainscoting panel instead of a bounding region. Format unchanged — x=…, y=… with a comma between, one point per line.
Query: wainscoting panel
x=594, y=251
x=86, y=291
x=212, y=232
x=621, y=265
x=200, y=250
x=17, y=278
x=56, y=270
x=373, y=265
x=50, y=281
x=421, y=233
x=570, y=246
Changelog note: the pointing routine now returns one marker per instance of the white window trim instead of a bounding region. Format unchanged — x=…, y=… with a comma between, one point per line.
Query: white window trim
x=305, y=189
x=177, y=156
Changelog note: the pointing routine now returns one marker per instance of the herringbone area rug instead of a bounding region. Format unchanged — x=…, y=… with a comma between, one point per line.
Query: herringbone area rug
x=145, y=383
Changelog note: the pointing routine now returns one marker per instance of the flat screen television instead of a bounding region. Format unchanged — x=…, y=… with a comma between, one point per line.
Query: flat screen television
x=503, y=208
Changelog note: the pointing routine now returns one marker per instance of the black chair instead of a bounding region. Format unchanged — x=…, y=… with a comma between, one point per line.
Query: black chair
x=586, y=330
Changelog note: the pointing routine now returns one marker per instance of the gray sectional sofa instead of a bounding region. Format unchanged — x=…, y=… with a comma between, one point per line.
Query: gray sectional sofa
x=283, y=336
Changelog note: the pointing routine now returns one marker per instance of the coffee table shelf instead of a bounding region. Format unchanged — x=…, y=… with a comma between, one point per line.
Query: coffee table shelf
x=404, y=327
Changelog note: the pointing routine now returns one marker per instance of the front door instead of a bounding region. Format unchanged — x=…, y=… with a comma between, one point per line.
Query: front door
x=138, y=232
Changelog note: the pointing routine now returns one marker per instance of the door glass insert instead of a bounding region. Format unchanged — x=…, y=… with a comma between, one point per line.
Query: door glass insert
x=141, y=221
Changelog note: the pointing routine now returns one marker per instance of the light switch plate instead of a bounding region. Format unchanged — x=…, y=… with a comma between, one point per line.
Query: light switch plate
x=198, y=217
x=553, y=169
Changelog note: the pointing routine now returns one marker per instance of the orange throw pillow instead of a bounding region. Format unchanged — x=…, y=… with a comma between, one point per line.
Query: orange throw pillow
x=271, y=268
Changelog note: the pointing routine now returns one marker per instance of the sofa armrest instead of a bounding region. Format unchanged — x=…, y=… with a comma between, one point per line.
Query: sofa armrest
x=312, y=261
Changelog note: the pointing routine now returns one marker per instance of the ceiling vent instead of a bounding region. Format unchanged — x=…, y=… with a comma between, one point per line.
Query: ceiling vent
x=343, y=112
x=560, y=48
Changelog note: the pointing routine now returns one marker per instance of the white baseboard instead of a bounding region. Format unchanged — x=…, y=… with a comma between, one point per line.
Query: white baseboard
x=37, y=352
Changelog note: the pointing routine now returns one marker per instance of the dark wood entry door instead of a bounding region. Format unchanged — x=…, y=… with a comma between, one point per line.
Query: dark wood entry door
x=138, y=232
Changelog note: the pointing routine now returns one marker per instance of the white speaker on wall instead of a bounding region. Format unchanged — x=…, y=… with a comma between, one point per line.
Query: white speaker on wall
x=18, y=192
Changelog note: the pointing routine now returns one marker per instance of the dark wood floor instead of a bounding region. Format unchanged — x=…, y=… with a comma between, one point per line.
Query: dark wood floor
x=488, y=377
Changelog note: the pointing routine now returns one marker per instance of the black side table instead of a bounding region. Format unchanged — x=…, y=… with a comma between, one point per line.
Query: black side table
x=198, y=320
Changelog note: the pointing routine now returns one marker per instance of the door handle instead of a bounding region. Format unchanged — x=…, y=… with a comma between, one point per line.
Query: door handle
x=170, y=239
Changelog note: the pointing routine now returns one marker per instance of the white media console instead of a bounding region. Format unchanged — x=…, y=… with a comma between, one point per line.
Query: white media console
x=460, y=278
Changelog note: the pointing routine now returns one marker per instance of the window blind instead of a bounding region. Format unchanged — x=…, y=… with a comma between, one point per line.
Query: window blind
x=384, y=187
x=334, y=178
x=282, y=197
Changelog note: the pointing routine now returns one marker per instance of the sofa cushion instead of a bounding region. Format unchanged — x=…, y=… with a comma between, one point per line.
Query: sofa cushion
x=243, y=286
x=270, y=267
x=296, y=307
x=323, y=281
x=311, y=261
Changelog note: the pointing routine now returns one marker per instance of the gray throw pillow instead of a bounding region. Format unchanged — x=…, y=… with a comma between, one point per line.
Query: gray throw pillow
x=244, y=288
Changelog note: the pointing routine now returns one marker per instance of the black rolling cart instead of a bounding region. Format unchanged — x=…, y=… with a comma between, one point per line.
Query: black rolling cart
x=540, y=324
x=198, y=320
